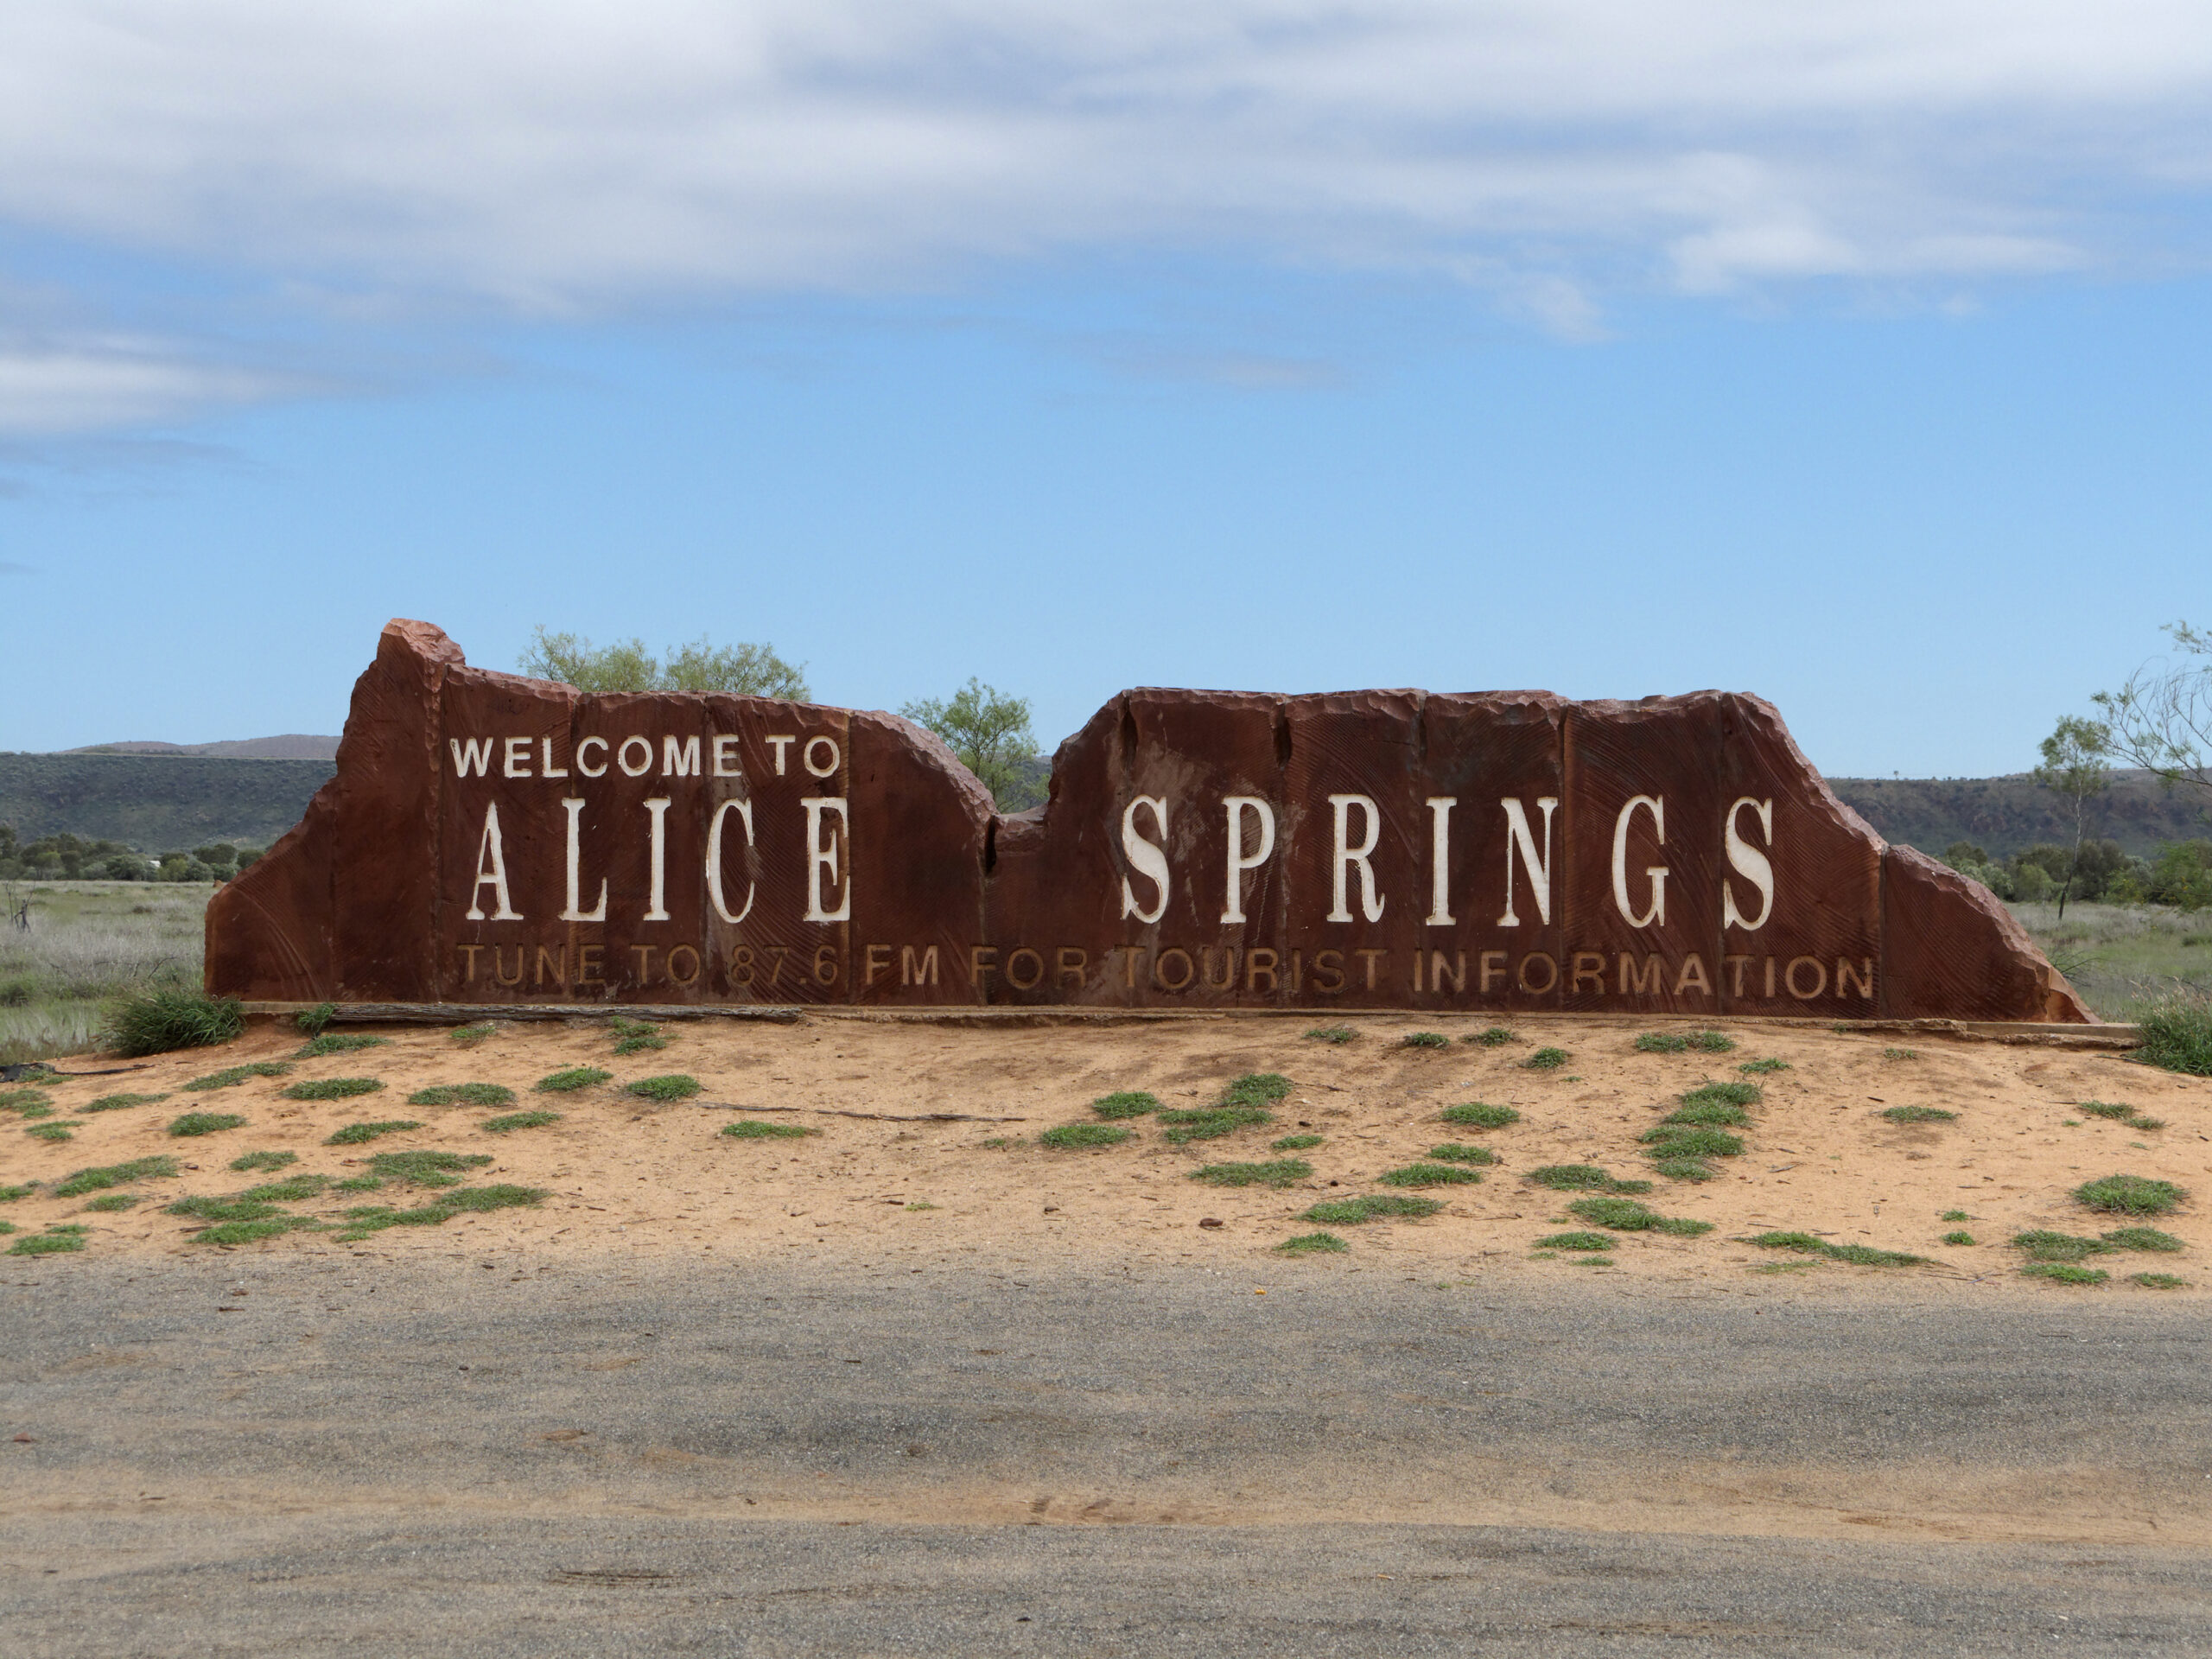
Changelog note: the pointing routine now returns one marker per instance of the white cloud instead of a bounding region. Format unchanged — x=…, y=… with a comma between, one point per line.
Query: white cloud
x=52, y=389
x=584, y=155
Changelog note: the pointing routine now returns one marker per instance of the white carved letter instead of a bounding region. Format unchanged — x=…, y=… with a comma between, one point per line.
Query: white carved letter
x=1518, y=840
x=1347, y=855
x=576, y=912
x=820, y=858
x=1238, y=805
x=744, y=810
x=492, y=868
x=657, y=910
x=1439, y=859
x=1145, y=858
x=471, y=755
x=1752, y=864
x=1658, y=913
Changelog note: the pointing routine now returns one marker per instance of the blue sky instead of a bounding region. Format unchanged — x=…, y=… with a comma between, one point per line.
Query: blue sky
x=1858, y=359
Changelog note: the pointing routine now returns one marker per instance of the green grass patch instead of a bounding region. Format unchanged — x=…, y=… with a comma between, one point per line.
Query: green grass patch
x=1684, y=1169
x=104, y=1176
x=1958, y=1238
x=2177, y=1036
x=1760, y=1068
x=1582, y=1178
x=1490, y=1036
x=514, y=1121
x=636, y=1036
x=266, y=1162
x=1211, y=1123
x=1314, y=1244
x=2066, y=1273
x=1723, y=1094
x=2043, y=1245
x=360, y=1223
x=1429, y=1175
x=2130, y=1195
x=1480, y=1115
x=54, y=1240
x=252, y=1231
x=1127, y=1102
x=2156, y=1280
x=1857, y=1256
x=291, y=1189
x=337, y=1042
x=1373, y=1206
x=469, y=1036
x=1424, y=1039
x=1078, y=1136
x=357, y=1184
x=1619, y=1215
x=1294, y=1143
x=206, y=1123
x=675, y=1085
x=1575, y=1241
x=1255, y=1089
x=1338, y=1034
x=570, y=1079
x=209, y=1206
x=752, y=1128
x=1452, y=1152
x=462, y=1094
x=1918, y=1114
x=231, y=1076
x=1710, y=1114
x=423, y=1167
x=356, y=1134
x=2107, y=1109
x=1546, y=1059
x=312, y=1021
x=31, y=1102
x=159, y=1022
x=1671, y=1139
x=1676, y=1042
x=2143, y=1238
x=10, y=1194
x=331, y=1087
x=120, y=1103
x=51, y=1131
x=1280, y=1171
x=110, y=1201
x=1900, y=1053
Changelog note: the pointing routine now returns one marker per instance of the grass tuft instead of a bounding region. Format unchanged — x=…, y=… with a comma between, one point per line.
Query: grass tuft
x=1429, y=1175
x=2177, y=1037
x=54, y=1240
x=1858, y=1255
x=469, y=1036
x=312, y=1021
x=355, y=1134
x=2110, y=1109
x=263, y=1162
x=331, y=1089
x=1900, y=1053
x=1955, y=1215
x=1661, y=1042
x=2065, y=1273
x=1961, y=1238
x=571, y=1079
x=2156, y=1280
x=106, y=1175
x=514, y=1121
x=1255, y=1089
x=1671, y=1139
x=159, y=1022
x=1490, y=1036
x=1546, y=1059
x=636, y=1036
x=31, y=1102
x=1281, y=1172
x=113, y=1201
x=360, y=1222
x=1127, y=1103
x=2043, y=1245
x=462, y=1094
x=231, y=1077
x=252, y=1231
x=337, y=1042
x=1211, y=1123
x=1314, y=1244
x=2143, y=1238
x=1424, y=1039
x=1711, y=1114
x=120, y=1103
x=1620, y=1215
x=1759, y=1068
x=1480, y=1115
x=1919, y=1115
x=1452, y=1152
x=675, y=1085
x=1071, y=1137
x=421, y=1167
x=1294, y=1143
x=1582, y=1178
x=1344, y=1212
x=206, y=1123
x=10, y=1194
x=1337, y=1034
x=2130, y=1195
x=1575, y=1241
x=1724, y=1094
x=51, y=1131
x=752, y=1128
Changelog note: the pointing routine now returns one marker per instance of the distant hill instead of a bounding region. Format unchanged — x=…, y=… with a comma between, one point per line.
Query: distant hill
x=2002, y=815
x=292, y=746
x=157, y=803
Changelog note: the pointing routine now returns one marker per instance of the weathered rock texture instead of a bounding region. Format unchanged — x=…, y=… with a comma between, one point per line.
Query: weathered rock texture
x=492, y=839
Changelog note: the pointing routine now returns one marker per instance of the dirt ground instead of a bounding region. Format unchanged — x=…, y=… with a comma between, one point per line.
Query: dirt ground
x=925, y=1146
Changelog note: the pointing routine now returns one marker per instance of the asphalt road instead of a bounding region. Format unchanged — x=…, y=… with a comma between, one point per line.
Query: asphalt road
x=364, y=1458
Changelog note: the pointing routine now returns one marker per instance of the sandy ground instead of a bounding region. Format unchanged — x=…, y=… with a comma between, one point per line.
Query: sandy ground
x=884, y=1180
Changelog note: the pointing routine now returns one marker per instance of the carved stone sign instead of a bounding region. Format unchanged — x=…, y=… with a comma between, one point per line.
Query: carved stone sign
x=490, y=839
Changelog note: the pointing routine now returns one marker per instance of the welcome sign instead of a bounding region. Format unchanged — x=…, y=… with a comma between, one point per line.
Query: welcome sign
x=489, y=839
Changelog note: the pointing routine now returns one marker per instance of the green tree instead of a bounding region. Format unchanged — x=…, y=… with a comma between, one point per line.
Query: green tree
x=752, y=670
x=2074, y=769
x=991, y=734
x=2161, y=719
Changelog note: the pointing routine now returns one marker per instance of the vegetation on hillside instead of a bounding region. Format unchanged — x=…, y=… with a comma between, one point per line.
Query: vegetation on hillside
x=154, y=802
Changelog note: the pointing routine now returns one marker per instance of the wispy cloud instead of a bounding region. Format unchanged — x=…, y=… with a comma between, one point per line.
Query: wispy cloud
x=49, y=390
x=589, y=156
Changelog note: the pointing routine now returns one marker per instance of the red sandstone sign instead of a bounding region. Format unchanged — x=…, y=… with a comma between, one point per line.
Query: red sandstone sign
x=489, y=839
